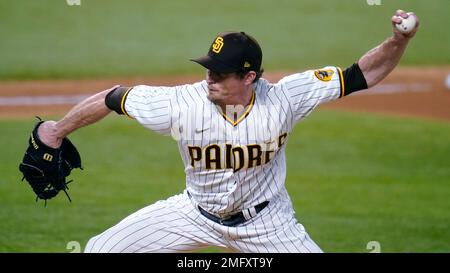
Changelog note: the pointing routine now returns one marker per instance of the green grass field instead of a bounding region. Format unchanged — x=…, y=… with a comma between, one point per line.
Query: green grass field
x=50, y=39
x=353, y=178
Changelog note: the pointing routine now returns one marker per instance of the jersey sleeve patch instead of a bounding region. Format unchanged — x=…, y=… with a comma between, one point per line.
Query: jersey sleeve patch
x=324, y=75
x=307, y=90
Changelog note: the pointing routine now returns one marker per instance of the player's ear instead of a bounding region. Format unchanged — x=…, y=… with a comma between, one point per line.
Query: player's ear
x=250, y=77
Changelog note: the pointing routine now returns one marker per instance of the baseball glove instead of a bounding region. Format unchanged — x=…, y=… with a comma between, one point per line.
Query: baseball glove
x=46, y=168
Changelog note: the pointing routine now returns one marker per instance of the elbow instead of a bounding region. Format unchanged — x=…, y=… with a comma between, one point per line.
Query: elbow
x=372, y=80
x=372, y=75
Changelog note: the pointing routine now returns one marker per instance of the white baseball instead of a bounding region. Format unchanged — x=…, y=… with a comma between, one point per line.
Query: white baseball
x=447, y=82
x=408, y=24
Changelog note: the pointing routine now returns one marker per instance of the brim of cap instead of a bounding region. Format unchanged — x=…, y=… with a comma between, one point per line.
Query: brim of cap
x=214, y=65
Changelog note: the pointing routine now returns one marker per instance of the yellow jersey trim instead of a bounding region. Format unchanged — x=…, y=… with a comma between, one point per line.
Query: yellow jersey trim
x=122, y=103
x=341, y=79
x=244, y=115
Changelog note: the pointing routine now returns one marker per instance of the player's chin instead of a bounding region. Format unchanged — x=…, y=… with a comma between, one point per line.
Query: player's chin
x=213, y=95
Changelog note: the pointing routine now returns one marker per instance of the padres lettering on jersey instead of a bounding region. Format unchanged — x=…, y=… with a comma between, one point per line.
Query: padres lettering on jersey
x=236, y=158
x=223, y=161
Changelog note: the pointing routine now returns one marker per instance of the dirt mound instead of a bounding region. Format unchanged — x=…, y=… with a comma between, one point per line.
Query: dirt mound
x=417, y=91
x=406, y=91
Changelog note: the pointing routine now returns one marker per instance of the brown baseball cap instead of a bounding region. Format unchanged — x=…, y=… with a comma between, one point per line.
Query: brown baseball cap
x=232, y=52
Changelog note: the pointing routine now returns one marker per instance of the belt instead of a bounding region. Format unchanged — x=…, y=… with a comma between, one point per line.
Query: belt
x=237, y=218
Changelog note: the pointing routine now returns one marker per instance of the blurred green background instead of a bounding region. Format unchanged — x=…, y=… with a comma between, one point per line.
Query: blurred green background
x=353, y=178
x=49, y=38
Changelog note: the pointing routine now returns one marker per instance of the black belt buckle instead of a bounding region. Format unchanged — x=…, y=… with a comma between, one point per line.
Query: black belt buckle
x=234, y=219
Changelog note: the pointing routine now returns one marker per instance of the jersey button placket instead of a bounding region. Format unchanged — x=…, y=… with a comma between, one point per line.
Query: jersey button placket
x=235, y=137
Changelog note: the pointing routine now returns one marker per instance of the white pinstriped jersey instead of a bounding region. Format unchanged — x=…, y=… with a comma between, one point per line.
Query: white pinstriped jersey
x=231, y=165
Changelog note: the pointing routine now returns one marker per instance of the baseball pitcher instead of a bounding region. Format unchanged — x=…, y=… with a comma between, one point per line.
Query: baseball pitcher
x=232, y=130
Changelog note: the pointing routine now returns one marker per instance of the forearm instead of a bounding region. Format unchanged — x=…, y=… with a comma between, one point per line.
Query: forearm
x=86, y=112
x=380, y=61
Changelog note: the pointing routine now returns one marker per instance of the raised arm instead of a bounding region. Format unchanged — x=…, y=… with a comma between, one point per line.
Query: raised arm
x=86, y=112
x=380, y=61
